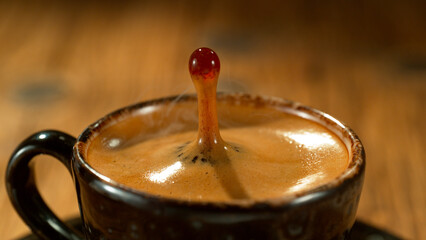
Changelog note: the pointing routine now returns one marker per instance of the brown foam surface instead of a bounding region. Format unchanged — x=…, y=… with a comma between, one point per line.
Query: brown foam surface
x=279, y=154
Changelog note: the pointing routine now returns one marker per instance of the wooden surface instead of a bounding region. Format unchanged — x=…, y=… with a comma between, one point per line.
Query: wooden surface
x=65, y=65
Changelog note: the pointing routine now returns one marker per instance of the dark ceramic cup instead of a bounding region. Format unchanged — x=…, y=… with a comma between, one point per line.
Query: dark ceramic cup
x=110, y=210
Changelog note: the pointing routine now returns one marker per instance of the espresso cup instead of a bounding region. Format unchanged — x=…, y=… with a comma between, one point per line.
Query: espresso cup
x=110, y=210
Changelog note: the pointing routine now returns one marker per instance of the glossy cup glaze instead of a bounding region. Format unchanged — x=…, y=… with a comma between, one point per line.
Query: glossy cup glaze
x=110, y=210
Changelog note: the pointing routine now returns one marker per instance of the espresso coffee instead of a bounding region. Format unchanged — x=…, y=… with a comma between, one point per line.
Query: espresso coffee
x=279, y=153
x=161, y=169
x=260, y=153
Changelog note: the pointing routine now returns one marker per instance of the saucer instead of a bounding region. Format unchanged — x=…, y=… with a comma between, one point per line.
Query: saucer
x=360, y=231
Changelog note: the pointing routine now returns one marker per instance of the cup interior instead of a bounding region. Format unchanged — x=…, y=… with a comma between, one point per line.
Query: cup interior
x=165, y=116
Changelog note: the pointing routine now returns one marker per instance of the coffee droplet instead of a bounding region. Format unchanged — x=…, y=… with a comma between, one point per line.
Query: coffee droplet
x=209, y=147
x=204, y=67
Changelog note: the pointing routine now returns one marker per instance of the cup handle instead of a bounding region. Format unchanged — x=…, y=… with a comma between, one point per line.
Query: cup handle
x=22, y=190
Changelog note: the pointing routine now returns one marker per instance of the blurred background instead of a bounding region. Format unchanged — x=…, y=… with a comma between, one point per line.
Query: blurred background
x=64, y=65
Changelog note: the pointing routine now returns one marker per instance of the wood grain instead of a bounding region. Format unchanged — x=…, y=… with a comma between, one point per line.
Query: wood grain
x=64, y=65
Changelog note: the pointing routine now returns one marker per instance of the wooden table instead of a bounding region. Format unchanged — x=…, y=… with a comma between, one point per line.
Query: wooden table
x=65, y=65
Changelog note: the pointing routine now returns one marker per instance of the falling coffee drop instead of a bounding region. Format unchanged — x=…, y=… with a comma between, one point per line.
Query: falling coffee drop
x=204, y=67
x=209, y=147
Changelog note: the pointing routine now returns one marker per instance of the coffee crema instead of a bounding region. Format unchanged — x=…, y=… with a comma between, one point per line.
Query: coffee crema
x=274, y=153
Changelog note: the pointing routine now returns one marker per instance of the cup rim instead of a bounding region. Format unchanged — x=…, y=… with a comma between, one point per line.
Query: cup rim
x=116, y=190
